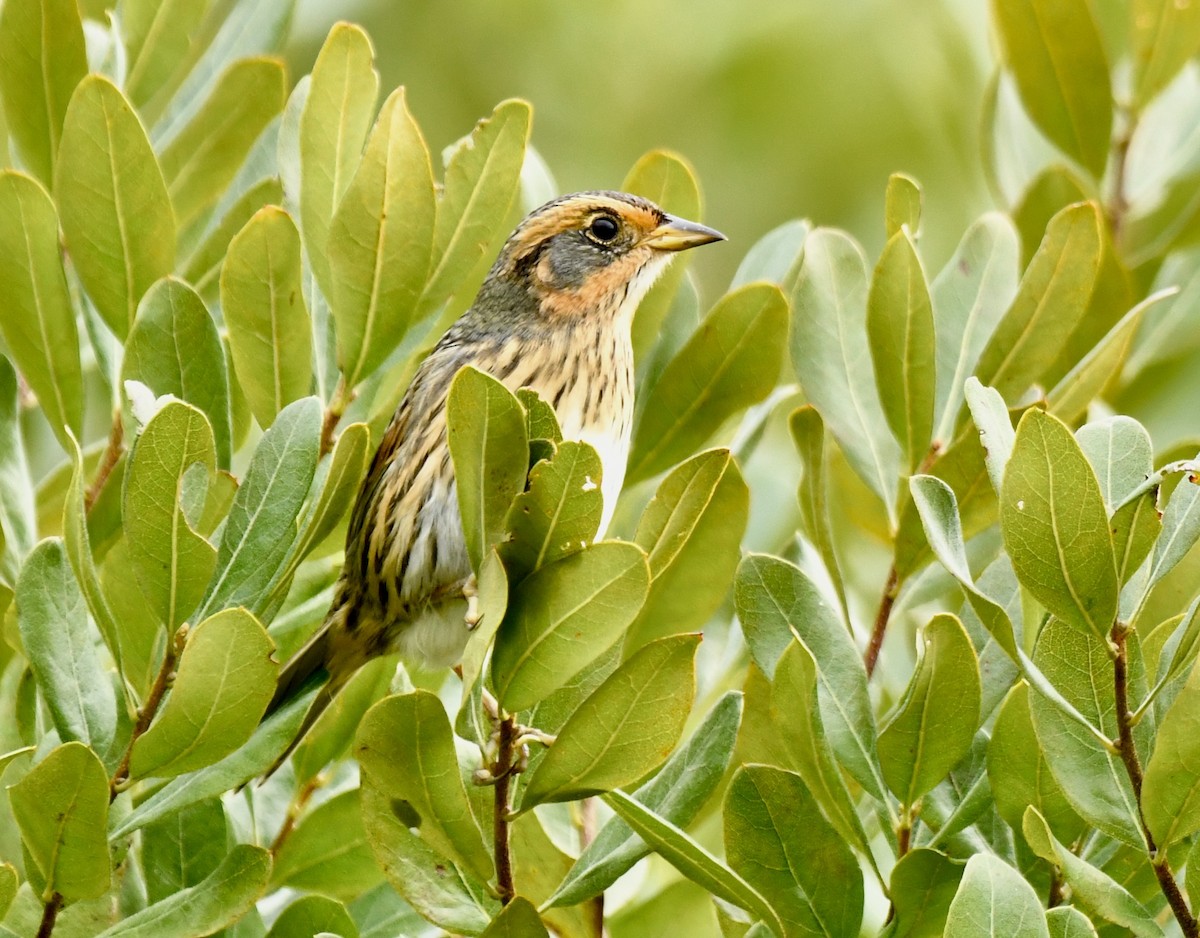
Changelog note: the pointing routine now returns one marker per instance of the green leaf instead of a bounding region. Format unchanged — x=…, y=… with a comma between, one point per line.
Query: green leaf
x=774, y=601
x=42, y=59
x=380, y=242
x=139, y=634
x=261, y=525
x=333, y=732
x=429, y=882
x=158, y=37
x=1068, y=922
x=181, y=850
x=170, y=559
x=731, y=362
x=808, y=433
x=270, y=335
x=1056, y=528
x=485, y=427
x=482, y=178
x=8, y=886
x=691, y=859
x=932, y=726
x=333, y=127
x=1019, y=773
x=39, y=322
x=61, y=809
x=903, y=349
x=225, y=680
x=313, y=915
x=272, y=737
x=60, y=644
x=676, y=794
x=518, y=919
x=116, y=215
x=1070, y=397
x=219, y=900
x=558, y=513
x=969, y=298
x=1090, y=886
x=625, y=729
x=1180, y=530
x=902, y=205
x=778, y=840
x=692, y=531
x=1089, y=772
x=832, y=356
x=995, y=428
x=405, y=746
x=775, y=257
x=328, y=852
x=796, y=715
x=203, y=157
x=1120, y=453
x=1171, y=789
x=1164, y=35
x=667, y=180
x=174, y=348
x=563, y=617
x=18, y=518
x=1054, y=52
x=1051, y=299
x=993, y=901
x=923, y=885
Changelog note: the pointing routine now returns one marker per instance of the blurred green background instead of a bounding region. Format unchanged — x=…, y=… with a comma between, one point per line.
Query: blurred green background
x=786, y=109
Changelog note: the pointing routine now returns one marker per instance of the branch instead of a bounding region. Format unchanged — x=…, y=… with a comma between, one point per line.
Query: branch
x=502, y=771
x=587, y=833
x=1133, y=768
x=333, y=413
x=886, y=603
x=108, y=462
x=50, y=915
x=295, y=809
x=147, y=711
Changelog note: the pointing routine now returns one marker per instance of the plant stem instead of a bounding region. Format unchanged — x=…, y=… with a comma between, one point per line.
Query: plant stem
x=1118, y=202
x=1054, y=895
x=112, y=455
x=148, y=710
x=295, y=809
x=1133, y=768
x=502, y=770
x=886, y=603
x=587, y=833
x=49, y=916
x=333, y=413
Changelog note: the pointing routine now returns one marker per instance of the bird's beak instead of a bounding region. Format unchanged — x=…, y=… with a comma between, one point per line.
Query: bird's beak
x=678, y=234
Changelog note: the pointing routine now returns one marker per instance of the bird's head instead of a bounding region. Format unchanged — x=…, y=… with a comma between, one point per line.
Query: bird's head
x=592, y=254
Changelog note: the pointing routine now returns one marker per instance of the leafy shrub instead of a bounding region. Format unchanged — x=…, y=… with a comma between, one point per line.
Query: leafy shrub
x=215, y=286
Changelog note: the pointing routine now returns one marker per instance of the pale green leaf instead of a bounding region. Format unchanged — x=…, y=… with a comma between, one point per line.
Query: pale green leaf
x=731, y=362
x=1055, y=526
x=158, y=38
x=902, y=205
x=775, y=257
x=519, y=919
x=993, y=901
x=1164, y=34
x=116, y=215
x=933, y=725
x=995, y=428
x=42, y=59
x=312, y=916
x=183, y=849
x=406, y=748
x=327, y=852
x=224, y=681
x=270, y=335
x=1171, y=788
x=563, y=617
x=380, y=242
x=808, y=433
x=39, y=322
x=18, y=518
x=626, y=728
x=923, y=884
x=61, y=809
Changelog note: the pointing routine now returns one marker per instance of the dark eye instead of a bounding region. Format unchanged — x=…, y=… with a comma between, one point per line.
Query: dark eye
x=603, y=228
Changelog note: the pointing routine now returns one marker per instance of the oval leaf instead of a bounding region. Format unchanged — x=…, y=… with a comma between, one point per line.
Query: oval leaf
x=993, y=901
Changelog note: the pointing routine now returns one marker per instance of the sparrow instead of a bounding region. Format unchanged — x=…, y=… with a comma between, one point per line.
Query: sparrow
x=554, y=315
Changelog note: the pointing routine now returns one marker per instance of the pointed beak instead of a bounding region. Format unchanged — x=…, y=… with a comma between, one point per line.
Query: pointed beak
x=679, y=234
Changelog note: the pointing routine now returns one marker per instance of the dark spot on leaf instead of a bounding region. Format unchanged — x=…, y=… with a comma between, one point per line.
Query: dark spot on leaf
x=406, y=814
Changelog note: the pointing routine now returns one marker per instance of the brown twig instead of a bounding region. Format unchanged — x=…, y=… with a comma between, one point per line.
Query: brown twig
x=587, y=833
x=295, y=809
x=1054, y=895
x=1118, y=201
x=886, y=602
x=502, y=770
x=148, y=710
x=1133, y=768
x=50, y=915
x=112, y=455
x=333, y=413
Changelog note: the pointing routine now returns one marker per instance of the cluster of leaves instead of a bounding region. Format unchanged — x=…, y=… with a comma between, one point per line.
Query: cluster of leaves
x=238, y=278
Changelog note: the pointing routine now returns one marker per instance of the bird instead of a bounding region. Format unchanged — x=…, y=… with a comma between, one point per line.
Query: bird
x=554, y=314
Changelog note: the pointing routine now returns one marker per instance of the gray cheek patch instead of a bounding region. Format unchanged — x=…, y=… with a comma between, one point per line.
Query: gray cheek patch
x=571, y=257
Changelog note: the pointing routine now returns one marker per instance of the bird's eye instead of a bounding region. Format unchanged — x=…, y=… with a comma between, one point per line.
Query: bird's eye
x=604, y=228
